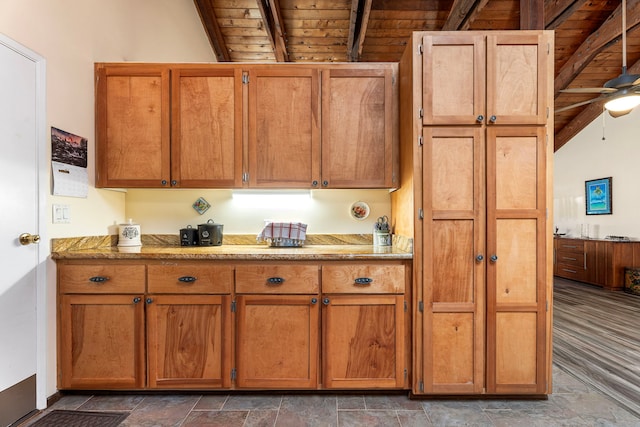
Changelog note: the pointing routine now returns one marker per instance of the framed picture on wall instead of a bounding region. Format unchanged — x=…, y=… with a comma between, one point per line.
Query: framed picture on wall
x=598, y=196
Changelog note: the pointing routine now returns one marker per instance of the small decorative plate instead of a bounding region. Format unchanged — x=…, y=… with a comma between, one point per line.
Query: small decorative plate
x=201, y=205
x=359, y=210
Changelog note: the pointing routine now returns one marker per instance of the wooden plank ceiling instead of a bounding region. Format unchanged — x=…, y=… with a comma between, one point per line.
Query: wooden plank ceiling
x=588, y=48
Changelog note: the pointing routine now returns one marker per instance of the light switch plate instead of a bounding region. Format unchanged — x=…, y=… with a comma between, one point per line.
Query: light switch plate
x=61, y=214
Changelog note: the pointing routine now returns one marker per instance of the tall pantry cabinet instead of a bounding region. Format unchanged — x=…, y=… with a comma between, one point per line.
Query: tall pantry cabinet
x=476, y=152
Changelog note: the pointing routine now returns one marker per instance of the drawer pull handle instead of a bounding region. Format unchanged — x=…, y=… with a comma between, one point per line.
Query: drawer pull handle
x=187, y=279
x=569, y=271
x=570, y=247
x=570, y=259
x=98, y=279
x=363, y=281
x=275, y=280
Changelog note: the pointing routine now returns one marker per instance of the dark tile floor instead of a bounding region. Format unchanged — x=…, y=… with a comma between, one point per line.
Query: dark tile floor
x=572, y=404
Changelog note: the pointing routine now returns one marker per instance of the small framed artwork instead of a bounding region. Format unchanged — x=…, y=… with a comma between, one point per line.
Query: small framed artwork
x=598, y=196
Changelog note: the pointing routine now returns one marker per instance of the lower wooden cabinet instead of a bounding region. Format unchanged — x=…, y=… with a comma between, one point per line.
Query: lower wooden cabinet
x=277, y=341
x=253, y=325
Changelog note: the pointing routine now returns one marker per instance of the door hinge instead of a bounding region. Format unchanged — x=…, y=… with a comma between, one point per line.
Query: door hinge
x=393, y=80
x=421, y=306
x=547, y=112
x=421, y=386
x=546, y=213
x=245, y=79
x=420, y=113
x=546, y=305
x=233, y=306
x=233, y=374
x=420, y=141
x=419, y=49
x=548, y=48
x=406, y=373
x=420, y=213
x=405, y=306
x=245, y=176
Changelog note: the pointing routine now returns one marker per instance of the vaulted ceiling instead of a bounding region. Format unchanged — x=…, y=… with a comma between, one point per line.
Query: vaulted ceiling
x=588, y=48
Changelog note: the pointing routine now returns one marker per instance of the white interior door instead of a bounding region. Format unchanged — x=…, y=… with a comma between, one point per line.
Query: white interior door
x=22, y=267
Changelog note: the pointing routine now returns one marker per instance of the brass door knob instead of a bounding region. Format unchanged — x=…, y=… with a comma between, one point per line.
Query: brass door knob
x=28, y=239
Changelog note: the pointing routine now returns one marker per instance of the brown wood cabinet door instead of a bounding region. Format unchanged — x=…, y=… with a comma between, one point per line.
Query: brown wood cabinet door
x=363, y=341
x=517, y=264
x=189, y=341
x=453, y=85
x=357, y=128
x=206, y=143
x=277, y=341
x=452, y=342
x=132, y=123
x=101, y=342
x=284, y=133
x=517, y=78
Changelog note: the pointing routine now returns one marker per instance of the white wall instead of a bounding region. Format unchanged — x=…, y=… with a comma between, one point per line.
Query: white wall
x=588, y=157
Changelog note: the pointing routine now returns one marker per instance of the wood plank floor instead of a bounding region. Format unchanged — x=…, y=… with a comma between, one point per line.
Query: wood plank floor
x=597, y=339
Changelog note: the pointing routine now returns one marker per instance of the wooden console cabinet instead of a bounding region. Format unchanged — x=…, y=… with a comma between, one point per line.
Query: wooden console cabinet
x=595, y=261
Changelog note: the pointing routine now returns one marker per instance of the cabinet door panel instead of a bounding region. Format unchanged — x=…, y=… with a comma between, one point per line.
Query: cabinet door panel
x=357, y=128
x=454, y=352
x=132, y=121
x=206, y=145
x=101, y=342
x=284, y=137
x=363, y=340
x=277, y=341
x=517, y=269
x=453, y=86
x=189, y=341
x=517, y=78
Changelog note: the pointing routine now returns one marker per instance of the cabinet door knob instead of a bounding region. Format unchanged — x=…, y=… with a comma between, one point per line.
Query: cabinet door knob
x=174, y=182
x=314, y=183
x=187, y=279
x=137, y=300
x=494, y=258
x=326, y=301
x=479, y=258
x=163, y=182
x=325, y=183
x=493, y=119
x=314, y=300
x=149, y=300
x=480, y=118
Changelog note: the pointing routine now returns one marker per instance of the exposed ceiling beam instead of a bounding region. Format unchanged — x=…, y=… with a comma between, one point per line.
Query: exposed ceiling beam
x=558, y=11
x=608, y=33
x=274, y=25
x=531, y=15
x=586, y=116
x=210, y=23
x=358, y=22
x=473, y=14
x=458, y=13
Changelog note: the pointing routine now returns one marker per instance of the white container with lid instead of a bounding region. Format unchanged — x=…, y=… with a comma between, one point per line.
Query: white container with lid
x=129, y=234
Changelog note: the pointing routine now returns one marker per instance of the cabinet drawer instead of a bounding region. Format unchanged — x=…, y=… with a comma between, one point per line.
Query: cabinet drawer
x=363, y=278
x=101, y=278
x=571, y=272
x=190, y=278
x=277, y=279
x=573, y=259
x=570, y=245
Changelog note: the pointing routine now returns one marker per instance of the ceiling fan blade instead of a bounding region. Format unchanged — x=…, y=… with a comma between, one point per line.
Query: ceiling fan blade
x=589, y=90
x=615, y=114
x=578, y=104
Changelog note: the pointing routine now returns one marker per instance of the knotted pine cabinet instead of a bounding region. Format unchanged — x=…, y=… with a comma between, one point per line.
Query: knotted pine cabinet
x=475, y=194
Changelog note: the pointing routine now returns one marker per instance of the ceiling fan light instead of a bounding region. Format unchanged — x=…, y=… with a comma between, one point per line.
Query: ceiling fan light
x=623, y=103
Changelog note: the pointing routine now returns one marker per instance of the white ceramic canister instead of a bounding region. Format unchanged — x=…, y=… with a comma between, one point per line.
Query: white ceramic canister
x=129, y=234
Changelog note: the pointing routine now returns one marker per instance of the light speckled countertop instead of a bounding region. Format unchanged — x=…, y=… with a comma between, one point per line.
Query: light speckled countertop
x=320, y=247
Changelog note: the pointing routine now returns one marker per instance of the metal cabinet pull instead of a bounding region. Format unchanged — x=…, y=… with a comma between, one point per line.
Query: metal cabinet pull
x=149, y=300
x=479, y=258
x=494, y=258
x=137, y=300
x=187, y=279
x=275, y=280
x=314, y=300
x=493, y=119
x=326, y=301
x=480, y=118
x=363, y=281
x=98, y=279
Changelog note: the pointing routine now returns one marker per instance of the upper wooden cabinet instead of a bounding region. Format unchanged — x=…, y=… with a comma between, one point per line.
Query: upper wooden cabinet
x=284, y=134
x=358, y=128
x=132, y=126
x=497, y=78
x=206, y=127
x=239, y=125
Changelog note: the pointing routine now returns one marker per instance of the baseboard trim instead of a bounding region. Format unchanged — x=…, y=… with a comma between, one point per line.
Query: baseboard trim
x=18, y=401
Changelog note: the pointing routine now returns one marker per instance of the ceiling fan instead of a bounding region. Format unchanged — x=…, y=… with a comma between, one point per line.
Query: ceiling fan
x=621, y=94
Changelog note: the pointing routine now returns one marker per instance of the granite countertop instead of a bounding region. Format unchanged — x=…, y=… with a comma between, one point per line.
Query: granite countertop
x=616, y=239
x=320, y=247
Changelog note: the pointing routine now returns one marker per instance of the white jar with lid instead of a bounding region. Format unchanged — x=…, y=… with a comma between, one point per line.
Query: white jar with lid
x=129, y=234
